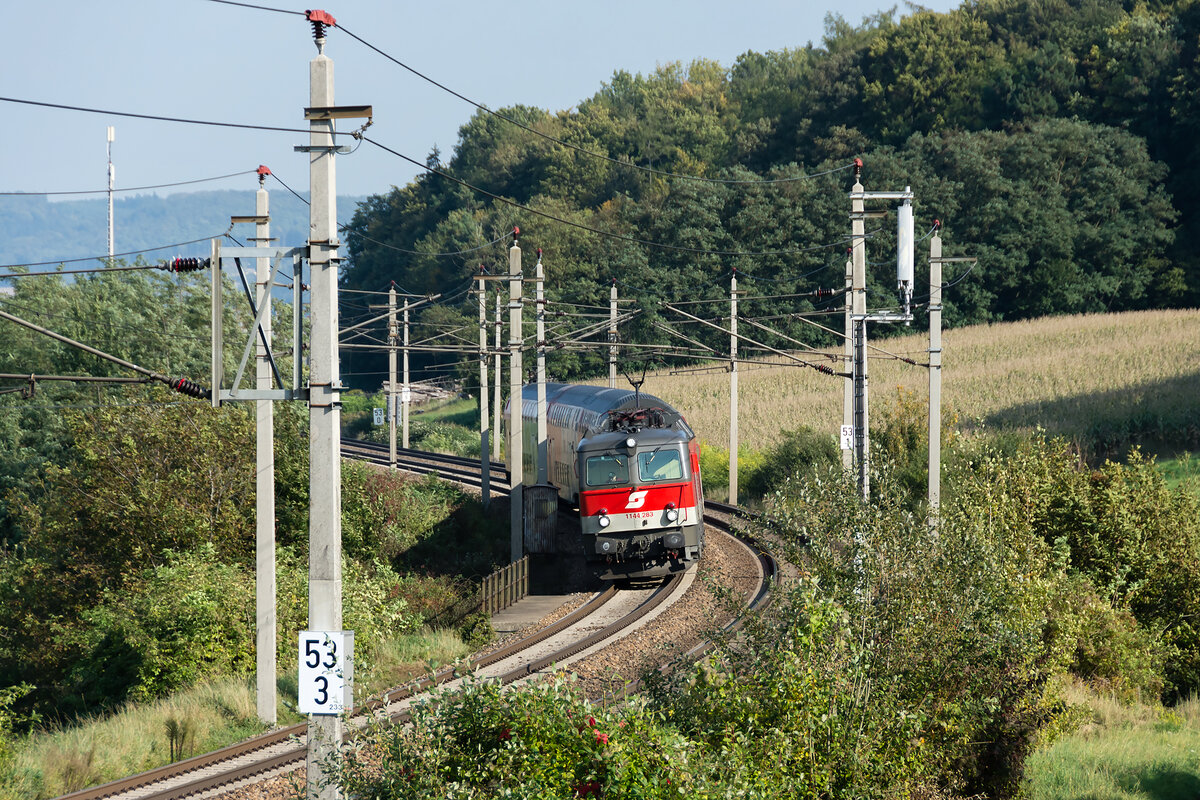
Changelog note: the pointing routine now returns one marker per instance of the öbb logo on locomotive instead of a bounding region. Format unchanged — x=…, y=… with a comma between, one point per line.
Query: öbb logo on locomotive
x=631, y=465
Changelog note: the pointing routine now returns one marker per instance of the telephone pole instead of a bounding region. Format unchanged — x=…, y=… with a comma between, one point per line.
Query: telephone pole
x=848, y=383
x=497, y=406
x=112, y=177
x=733, y=391
x=612, y=335
x=485, y=470
x=392, y=408
x=324, y=405
x=935, y=375
x=516, y=380
x=543, y=455
x=406, y=392
x=264, y=447
x=858, y=311
x=859, y=317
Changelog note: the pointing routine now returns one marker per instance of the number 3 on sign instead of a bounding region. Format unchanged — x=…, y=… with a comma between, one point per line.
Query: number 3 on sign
x=326, y=659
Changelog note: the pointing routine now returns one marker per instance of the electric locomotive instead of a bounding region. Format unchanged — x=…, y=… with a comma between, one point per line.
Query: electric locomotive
x=631, y=465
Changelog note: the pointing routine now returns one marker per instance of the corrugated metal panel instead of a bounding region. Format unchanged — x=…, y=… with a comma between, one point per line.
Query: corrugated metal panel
x=541, y=518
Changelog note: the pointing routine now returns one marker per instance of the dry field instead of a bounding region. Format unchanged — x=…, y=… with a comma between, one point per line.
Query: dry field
x=1091, y=377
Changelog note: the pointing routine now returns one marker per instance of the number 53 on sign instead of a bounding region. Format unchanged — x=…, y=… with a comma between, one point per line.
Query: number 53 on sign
x=326, y=671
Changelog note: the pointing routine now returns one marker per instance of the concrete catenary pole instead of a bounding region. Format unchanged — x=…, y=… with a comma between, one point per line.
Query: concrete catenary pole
x=733, y=391
x=392, y=395
x=612, y=336
x=497, y=406
x=858, y=245
x=485, y=471
x=848, y=382
x=112, y=180
x=543, y=453
x=935, y=376
x=264, y=488
x=516, y=444
x=325, y=463
x=406, y=392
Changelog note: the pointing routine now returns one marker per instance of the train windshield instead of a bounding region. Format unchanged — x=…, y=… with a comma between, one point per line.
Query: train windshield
x=606, y=469
x=660, y=465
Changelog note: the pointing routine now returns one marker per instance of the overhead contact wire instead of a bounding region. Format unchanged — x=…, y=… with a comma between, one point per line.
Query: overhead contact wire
x=131, y=188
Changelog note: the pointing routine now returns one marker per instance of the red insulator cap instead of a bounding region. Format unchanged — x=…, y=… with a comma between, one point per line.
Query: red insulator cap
x=263, y=169
x=317, y=15
x=516, y=231
x=858, y=163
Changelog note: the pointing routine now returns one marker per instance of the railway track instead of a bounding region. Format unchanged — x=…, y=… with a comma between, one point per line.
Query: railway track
x=603, y=619
x=457, y=468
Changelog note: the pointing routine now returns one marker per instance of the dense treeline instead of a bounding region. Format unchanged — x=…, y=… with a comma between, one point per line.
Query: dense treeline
x=1053, y=138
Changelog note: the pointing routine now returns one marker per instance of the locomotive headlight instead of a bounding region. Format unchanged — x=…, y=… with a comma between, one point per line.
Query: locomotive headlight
x=672, y=512
x=604, y=521
x=631, y=442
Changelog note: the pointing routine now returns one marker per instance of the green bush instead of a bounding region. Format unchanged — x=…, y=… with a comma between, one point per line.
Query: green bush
x=540, y=741
x=714, y=466
x=798, y=451
x=476, y=630
x=900, y=591
x=443, y=437
x=1112, y=651
x=11, y=722
x=384, y=513
x=188, y=619
x=373, y=605
x=1135, y=540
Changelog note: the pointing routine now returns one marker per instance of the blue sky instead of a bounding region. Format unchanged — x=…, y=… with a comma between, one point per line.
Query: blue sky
x=206, y=60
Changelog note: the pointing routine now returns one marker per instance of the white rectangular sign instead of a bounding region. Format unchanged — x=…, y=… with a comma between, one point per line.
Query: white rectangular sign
x=326, y=671
x=847, y=437
x=378, y=414
x=406, y=395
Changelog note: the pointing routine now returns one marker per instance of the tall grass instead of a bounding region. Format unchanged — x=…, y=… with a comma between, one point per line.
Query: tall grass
x=139, y=737
x=134, y=739
x=1122, y=752
x=1101, y=379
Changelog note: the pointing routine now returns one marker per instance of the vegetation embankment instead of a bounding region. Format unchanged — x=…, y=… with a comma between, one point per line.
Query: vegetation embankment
x=449, y=425
x=906, y=661
x=127, y=569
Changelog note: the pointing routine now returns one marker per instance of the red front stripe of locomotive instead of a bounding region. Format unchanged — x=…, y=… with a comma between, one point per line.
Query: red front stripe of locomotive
x=640, y=502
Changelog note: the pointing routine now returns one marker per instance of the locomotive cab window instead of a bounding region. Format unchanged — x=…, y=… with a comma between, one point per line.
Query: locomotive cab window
x=660, y=465
x=606, y=469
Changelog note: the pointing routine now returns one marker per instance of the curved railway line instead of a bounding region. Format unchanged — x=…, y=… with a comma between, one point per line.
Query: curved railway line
x=604, y=618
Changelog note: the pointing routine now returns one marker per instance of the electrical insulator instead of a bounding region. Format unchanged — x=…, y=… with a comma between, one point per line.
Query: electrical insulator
x=319, y=20
x=185, y=264
x=190, y=388
x=823, y=369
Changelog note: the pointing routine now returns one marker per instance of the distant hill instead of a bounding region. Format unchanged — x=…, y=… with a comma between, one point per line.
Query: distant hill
x=39, y=229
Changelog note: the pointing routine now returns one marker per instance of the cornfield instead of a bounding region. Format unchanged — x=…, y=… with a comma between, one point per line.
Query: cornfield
x=1101, y=379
